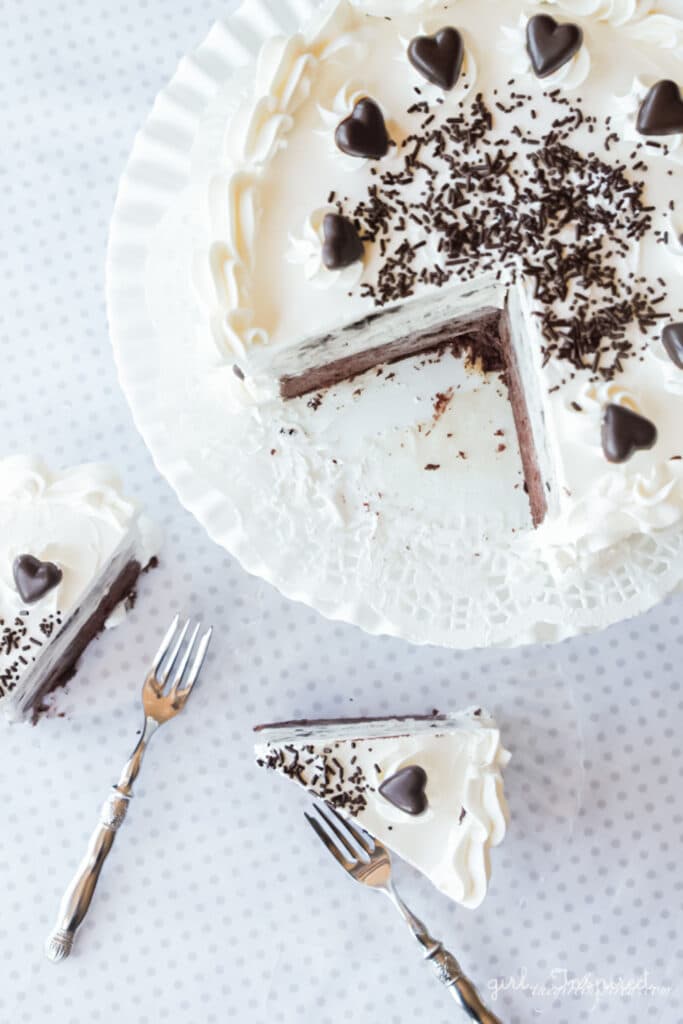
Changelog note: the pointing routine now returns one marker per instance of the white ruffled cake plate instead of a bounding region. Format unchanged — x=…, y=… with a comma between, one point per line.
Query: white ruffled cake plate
x=331, y=503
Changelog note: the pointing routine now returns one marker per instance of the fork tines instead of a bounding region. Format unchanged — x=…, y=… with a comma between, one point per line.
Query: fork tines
x=345, y=833
x=177, y=650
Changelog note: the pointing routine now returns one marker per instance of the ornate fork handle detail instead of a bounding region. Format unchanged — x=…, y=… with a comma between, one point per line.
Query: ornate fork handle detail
x=79, y=894
x=445, y=966
x=449, y=973
x=114, y=809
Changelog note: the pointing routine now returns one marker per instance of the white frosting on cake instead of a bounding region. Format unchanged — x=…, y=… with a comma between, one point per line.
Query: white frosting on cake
x=463, y=758
x=80, y=521
x=639, y=17
x=270, y=290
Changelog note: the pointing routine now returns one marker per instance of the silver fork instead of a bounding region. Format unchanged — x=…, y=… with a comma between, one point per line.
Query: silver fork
x=369, y=862
x=160, y=705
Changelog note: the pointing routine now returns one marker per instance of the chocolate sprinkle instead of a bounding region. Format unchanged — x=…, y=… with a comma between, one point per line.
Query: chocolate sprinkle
x=322, y=774
x=20, y=645
x=517, y=205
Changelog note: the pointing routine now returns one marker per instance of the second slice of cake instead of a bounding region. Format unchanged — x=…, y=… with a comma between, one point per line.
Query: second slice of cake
x=72, y=547
x=430, y=788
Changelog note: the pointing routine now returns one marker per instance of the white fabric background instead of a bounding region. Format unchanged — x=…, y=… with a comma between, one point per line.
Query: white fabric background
x=217, y=903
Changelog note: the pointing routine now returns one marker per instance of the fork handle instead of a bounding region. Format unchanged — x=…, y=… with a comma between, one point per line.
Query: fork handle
x=78, y=896
x=449, y=973
x=445, y=966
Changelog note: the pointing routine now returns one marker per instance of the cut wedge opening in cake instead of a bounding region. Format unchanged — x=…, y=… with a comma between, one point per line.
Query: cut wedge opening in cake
x=484, y=326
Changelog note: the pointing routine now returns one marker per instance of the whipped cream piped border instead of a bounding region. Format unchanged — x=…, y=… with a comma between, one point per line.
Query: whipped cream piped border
x=638, y=17
x=284, y=75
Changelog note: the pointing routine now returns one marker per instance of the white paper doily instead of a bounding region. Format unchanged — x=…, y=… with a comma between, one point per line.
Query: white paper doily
x=312, y=531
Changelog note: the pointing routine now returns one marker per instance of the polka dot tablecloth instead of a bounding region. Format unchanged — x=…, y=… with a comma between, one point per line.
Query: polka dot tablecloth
x=217, y=904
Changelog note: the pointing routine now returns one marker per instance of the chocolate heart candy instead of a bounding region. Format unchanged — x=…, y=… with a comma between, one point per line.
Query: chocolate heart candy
x=550, y=45
x=625, y=432
x=341, y=246
x=406, y=789
x=672, y=339
x=34, y=579
x=363, y=133
x=661, y=112
x=439, y=57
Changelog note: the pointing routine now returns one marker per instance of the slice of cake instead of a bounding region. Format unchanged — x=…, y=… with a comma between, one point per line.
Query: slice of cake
x=430, y=788
x=71, y=550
